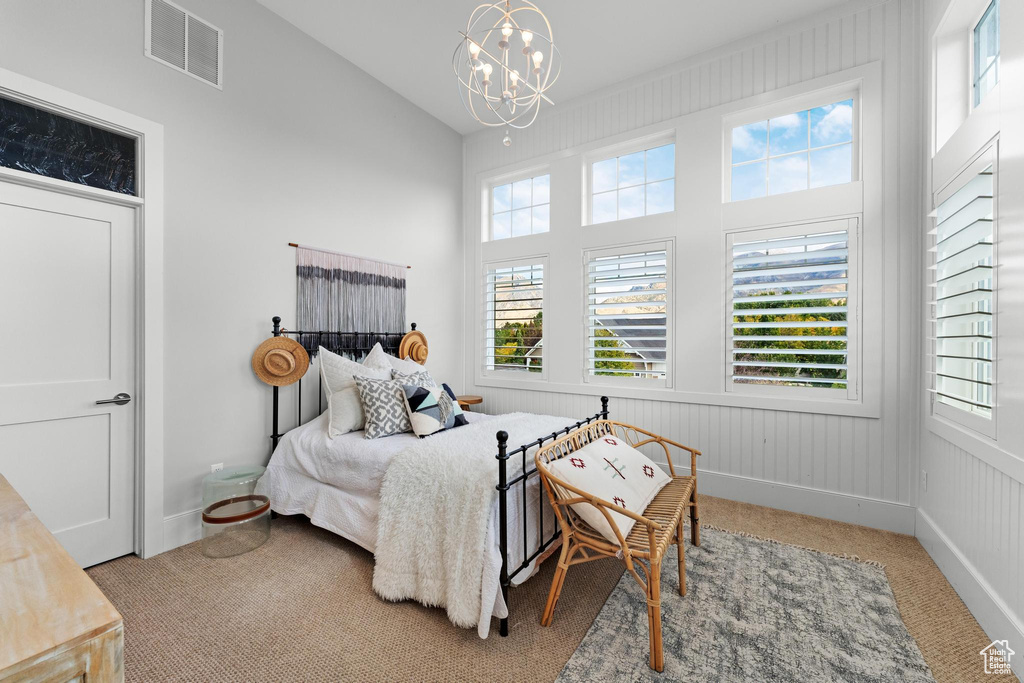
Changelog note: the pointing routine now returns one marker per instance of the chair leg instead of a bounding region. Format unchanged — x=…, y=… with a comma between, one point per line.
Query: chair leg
x=694, y=517
x=680, y=545
x=556, y=583
x=654, y=607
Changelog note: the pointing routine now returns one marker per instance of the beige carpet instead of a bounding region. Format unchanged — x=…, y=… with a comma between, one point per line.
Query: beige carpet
x=301, y=608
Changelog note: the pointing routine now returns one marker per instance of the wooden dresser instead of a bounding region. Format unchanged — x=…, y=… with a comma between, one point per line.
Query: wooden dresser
x=55, y=623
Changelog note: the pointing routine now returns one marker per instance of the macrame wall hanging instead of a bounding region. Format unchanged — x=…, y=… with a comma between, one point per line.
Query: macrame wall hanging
x=342, y=293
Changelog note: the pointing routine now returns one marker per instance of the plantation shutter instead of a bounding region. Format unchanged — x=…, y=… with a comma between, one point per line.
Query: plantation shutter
x=962, y=297
x=627, y=314
x=514, y=320
x=789, y=309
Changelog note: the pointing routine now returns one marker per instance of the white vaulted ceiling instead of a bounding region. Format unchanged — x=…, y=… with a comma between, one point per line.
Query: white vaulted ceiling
x=408, y=44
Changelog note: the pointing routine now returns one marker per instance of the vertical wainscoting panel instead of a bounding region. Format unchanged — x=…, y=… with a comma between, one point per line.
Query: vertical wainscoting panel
x=979, y=510
x=798, y=449
x=861, y=460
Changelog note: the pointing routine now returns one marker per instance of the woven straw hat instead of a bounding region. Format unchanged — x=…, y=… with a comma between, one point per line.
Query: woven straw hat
x=280, y=361
x=414, y=347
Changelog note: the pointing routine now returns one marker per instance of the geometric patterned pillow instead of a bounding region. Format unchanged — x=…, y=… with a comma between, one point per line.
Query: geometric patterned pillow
x=433, y=409
x=611, y=469
x=384, y=406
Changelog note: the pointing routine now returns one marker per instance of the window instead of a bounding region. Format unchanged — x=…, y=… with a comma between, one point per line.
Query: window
x=627, y=312
x=638, y=184
x=986, y=52
x=514, y=320
x=811, y=148
x=521, y=208
x=962, y=302
x=790, y=307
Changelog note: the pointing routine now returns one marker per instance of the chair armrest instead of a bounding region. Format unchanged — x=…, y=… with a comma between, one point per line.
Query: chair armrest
x=662, y=441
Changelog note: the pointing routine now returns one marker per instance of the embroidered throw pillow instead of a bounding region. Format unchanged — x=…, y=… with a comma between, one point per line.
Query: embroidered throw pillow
x=422, y=378
x=612, y=470
x=433, y=409
x=384, y=406
x=343, y=403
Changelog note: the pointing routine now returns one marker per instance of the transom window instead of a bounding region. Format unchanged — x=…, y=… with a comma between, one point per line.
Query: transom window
x=631, y=185
x=521, y=208
x=627, y=312
x=514, y=319
x=986, y=52
x=810, y=148
x=789, y=308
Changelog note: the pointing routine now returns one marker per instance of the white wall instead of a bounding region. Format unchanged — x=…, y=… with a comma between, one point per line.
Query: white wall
x=971, y=516
x=300, y=146
x=858, y=469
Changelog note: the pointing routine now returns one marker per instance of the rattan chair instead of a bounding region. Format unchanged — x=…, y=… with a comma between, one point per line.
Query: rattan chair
x=660, y=525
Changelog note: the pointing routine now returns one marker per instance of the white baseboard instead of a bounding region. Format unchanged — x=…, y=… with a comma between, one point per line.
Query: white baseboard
x=182, y=528
x=840, y=507
x=995, y=617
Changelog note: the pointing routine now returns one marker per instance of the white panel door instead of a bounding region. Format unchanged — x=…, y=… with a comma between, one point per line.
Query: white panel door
x=67, y=305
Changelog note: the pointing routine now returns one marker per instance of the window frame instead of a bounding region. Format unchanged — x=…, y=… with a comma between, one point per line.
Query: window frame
x=636, y=144
x=794, y=105
x=482, y=366
x=972, y=58
x=988, y=156
x=489, y=188
x=854, y=315
x=666, y=245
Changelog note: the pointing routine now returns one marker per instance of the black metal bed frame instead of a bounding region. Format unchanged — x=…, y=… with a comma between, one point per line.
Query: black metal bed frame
x=360, y=343
x=503, y=487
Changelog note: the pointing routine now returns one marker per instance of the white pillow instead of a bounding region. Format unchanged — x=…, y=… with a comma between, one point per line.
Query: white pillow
x=612, y=470
x=379, y=358
x=346, y=411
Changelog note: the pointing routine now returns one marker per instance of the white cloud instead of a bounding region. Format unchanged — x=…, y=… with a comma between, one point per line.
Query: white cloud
x=749, y=140
x=836, y=125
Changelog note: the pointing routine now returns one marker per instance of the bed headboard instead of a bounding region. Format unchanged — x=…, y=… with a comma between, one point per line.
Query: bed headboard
x=354, y=345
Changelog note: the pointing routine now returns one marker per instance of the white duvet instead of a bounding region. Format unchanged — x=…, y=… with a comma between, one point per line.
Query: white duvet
x=336, y=483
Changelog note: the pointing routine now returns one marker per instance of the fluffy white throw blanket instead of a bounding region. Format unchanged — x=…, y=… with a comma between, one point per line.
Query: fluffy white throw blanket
x=436, y=507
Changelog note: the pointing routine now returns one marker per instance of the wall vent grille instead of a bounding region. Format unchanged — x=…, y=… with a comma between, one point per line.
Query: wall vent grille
x=183, y=41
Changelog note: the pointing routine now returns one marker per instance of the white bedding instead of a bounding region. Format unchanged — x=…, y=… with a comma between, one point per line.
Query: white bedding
x=336, y=483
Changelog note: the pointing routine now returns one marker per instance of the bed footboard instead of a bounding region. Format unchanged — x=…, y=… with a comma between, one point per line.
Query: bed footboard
x=504, y=485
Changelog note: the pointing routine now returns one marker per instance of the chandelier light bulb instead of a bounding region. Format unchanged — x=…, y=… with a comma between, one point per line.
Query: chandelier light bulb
x=527, y=39
x=506, y=29
x=487, y=69
x=474, y=50
x=515, y=79
x=538, y=57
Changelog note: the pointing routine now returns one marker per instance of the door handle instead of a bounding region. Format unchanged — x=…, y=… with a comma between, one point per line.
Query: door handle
x=119, y=399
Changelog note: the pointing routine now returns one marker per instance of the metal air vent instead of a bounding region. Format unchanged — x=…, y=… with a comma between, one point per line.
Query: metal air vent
x=183, y=41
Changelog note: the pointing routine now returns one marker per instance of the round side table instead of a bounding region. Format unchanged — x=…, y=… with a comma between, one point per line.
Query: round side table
x=235, y=518
x=466, y=401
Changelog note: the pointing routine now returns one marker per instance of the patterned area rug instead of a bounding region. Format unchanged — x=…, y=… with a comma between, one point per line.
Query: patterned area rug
x=755, y=609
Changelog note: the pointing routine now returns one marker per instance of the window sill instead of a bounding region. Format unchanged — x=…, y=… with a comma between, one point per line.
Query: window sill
x=815, y=405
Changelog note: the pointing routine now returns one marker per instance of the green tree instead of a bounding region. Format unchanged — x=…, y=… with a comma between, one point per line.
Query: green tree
x=817, y=345
x=611, y=350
